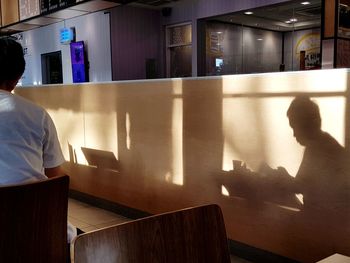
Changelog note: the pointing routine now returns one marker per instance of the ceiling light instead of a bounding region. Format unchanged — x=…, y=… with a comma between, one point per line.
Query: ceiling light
x=259, y=39
x=305, y=3
x=248, y=13
x=288, y=22
x=293, y=20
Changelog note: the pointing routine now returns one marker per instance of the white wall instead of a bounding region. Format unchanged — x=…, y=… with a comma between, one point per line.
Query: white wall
x=94, y=29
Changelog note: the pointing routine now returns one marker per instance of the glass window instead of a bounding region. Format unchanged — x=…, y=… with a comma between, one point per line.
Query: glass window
x=179, y=51
x=268, y=39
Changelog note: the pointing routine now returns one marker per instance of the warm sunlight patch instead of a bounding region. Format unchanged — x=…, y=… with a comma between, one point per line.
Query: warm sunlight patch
x=127, y=127
x=300, y=198
x=177, y=141
x=224, y=191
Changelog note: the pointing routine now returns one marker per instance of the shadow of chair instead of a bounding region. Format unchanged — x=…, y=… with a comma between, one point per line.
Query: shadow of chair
x=185, y=236
x=33, y=221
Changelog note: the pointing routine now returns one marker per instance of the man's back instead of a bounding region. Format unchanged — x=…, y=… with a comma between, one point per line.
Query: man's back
x=323, y=174
x=25, y=131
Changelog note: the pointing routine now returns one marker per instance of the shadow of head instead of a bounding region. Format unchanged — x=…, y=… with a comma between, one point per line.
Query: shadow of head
x=304, y=118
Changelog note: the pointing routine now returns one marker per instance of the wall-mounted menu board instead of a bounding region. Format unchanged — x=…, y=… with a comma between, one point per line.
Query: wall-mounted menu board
x=44, y=6
x=28, y=8
x=63, y=3
x=52, y=5
x=49, y=5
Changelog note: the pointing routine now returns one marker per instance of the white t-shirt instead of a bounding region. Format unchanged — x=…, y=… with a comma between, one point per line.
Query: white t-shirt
x=28, y=140
x=28, y=143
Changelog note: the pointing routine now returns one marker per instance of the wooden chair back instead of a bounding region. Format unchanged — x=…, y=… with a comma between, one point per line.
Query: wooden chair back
x=185, y=236
x=33, y=221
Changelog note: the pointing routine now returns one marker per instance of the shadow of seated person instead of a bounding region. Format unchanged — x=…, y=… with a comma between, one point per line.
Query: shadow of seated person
x=322, y=226
x=322, y=177
x=265, y=185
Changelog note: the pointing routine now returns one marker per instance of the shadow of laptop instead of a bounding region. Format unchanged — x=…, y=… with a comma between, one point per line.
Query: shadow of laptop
x=101, y=159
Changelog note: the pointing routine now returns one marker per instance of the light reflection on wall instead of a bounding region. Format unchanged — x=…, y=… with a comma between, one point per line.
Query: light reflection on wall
x=101, y=131
x=177, y=140
x=319, y=81
x=281, y=148
x=224, y=191
x=241, y=133
x=127, y=127
x=69, y=125
x=333, y=116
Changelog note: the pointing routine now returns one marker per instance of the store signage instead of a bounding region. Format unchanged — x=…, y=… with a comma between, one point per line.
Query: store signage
x=67, y=35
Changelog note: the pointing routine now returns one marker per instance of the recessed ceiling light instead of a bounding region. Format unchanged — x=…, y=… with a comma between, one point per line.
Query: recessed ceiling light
x=259, y=39
x=248, y=13
x=305, y=3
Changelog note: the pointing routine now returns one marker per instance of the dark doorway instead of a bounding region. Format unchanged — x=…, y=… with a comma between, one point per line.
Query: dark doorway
x=51, y=68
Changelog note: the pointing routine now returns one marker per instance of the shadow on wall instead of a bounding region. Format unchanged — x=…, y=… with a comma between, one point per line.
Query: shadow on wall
x=322, y=182
x=322, y=178
x=173, y=139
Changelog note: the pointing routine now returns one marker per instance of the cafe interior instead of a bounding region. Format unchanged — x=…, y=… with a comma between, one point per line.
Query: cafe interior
x=173, y=118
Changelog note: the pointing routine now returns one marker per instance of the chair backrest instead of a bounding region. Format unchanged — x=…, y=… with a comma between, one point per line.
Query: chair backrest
x=33, y=221
x=190, y=235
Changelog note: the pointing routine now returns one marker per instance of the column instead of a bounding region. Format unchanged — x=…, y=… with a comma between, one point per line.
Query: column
x=335, y=35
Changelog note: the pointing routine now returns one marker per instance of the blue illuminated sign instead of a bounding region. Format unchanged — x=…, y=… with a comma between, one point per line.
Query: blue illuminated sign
x=67, y=35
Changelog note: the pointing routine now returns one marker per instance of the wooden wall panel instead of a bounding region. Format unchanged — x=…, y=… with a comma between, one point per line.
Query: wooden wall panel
x=9, y=11
x=329, y=18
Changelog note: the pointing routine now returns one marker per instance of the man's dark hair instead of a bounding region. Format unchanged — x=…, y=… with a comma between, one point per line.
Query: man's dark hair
x=12, y=61
x=304, y=112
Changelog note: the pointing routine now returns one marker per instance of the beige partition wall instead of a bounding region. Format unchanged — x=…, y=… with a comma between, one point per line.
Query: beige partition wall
x=161, y=145
x=9, y=12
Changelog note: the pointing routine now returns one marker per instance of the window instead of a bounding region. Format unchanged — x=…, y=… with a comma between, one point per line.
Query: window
x=179, y=50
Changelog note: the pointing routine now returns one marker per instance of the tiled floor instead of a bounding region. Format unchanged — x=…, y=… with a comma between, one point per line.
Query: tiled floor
x=88, y=218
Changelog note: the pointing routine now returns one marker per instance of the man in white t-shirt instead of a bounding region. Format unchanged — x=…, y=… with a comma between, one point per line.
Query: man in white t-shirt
x=29, y=146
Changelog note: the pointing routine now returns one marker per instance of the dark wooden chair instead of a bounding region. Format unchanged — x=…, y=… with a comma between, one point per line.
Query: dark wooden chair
x=33, y=221
x=185, y=236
